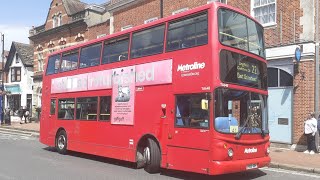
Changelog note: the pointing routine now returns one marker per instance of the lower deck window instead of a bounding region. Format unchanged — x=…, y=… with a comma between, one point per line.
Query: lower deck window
x=87, y=108
x=105, y=107
x=66, y=109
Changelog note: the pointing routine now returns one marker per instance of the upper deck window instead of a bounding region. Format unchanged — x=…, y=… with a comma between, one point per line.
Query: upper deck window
x=147, y=42
x=53, y=64
x=69, y=60
x=115, y=50
x=90, y=56
x=240, y=32
x=187, y=33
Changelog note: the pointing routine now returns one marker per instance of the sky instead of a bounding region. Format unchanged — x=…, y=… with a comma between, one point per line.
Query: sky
x=18, y=16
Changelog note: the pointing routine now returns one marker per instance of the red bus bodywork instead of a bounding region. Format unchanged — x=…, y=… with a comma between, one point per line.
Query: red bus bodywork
x=195, y=150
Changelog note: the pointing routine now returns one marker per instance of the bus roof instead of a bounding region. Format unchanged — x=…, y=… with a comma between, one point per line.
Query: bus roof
x=138, y=28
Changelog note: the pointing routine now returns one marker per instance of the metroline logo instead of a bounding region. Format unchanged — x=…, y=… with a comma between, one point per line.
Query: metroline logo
x=250, y=150
x=188, y=67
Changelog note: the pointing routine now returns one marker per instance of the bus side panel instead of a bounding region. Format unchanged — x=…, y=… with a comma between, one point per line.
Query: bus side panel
x=125, y=154
x=150, y=117
x=177, y=159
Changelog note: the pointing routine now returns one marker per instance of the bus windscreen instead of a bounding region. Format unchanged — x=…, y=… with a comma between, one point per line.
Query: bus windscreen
x=242, y=70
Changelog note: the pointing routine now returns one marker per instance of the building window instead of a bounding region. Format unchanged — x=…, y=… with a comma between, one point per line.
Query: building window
x=126, y=27
x=39, y=94
x=279, y=78
x=264, y=11
x=56, y=20
x=59, y=20
x=16, y=74
x=17, y=59
x=221, y=1
x=40, y=61
x=180, y=11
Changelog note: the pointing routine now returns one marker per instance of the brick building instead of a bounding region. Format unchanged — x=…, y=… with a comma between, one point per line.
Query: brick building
x=68, y=22
x=288, y=25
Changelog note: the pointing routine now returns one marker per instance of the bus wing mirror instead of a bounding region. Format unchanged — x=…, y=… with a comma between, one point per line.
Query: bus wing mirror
x=204, y=104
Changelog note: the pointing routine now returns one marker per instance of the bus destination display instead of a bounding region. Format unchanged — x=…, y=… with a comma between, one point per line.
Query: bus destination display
x=247, y=71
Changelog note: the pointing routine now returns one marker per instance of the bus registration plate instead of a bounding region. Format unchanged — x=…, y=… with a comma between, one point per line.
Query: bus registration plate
x=252, y=166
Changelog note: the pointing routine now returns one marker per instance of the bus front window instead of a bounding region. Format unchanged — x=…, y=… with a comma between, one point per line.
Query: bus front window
x=240, y=111
x=239, y=31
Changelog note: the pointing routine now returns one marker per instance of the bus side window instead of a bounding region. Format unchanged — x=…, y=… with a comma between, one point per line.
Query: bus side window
x=190, y=113
x=90, y=56
x=53, y=64
x=115, y=50
x=53, y=107
x=148, y=42
x=69, y=60
x=87, y=108
x=105, y=107
x=66, y=109
x=187, y=33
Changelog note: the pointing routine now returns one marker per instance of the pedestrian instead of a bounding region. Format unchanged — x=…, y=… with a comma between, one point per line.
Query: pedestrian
x=317, y=136
x=20, y=114
x=26, y=116
x=310, y=129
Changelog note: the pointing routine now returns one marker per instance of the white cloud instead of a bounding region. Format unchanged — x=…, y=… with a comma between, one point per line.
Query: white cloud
x=14, y=33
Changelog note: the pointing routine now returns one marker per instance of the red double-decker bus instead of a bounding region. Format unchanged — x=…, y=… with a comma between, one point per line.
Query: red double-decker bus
x=186, y=92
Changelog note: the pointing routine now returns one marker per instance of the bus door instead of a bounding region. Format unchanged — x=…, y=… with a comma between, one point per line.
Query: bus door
x=189, y=138
x=52, y=117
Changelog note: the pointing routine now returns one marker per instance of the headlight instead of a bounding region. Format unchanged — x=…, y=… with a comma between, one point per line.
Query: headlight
x=268, y=150
x=230, y=152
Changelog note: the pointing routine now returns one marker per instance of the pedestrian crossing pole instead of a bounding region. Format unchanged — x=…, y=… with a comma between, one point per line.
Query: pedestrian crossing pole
x=316, y=106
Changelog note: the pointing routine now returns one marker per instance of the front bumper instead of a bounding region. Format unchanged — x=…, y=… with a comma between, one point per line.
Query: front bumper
x=225, y=167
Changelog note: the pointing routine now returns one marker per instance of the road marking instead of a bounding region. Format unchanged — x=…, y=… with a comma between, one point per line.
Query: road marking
x=291, y=172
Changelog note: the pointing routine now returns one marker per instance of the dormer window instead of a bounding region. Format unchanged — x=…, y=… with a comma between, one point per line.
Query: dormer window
x=57, y=20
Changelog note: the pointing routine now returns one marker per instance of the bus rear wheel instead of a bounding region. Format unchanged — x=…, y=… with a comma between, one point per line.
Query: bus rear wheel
x=152, y=156
x=61, y=142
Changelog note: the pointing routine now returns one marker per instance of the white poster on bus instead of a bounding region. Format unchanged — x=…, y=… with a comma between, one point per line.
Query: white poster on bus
x=123, y=94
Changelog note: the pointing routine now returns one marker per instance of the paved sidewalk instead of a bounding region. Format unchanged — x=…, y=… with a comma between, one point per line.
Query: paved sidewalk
x=282, y=158
x=294, y=160
x=33, y=126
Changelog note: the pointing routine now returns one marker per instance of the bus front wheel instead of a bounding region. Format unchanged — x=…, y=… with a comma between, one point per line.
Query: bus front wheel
x=152, y=156
x=61, y=142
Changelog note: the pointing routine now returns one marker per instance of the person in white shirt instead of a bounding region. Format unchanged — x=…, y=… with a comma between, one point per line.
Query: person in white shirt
x=310, y=129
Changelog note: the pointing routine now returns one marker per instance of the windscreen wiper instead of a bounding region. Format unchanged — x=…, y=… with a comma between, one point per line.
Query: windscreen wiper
x=238, y=135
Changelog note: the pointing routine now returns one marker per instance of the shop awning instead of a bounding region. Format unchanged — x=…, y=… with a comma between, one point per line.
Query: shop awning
x=13, y=89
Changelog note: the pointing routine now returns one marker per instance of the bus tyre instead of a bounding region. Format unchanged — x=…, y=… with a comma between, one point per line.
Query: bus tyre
x=152, y=156
x=62, y=142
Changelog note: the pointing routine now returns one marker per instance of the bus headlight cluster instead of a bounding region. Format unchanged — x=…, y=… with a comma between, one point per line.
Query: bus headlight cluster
x=230, y=152
x=268, y=150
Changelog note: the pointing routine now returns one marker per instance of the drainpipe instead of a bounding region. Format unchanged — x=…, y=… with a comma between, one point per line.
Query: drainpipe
x=161, y=8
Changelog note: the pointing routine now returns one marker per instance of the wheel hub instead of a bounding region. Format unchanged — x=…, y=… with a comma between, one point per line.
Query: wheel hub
x=61, y=142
